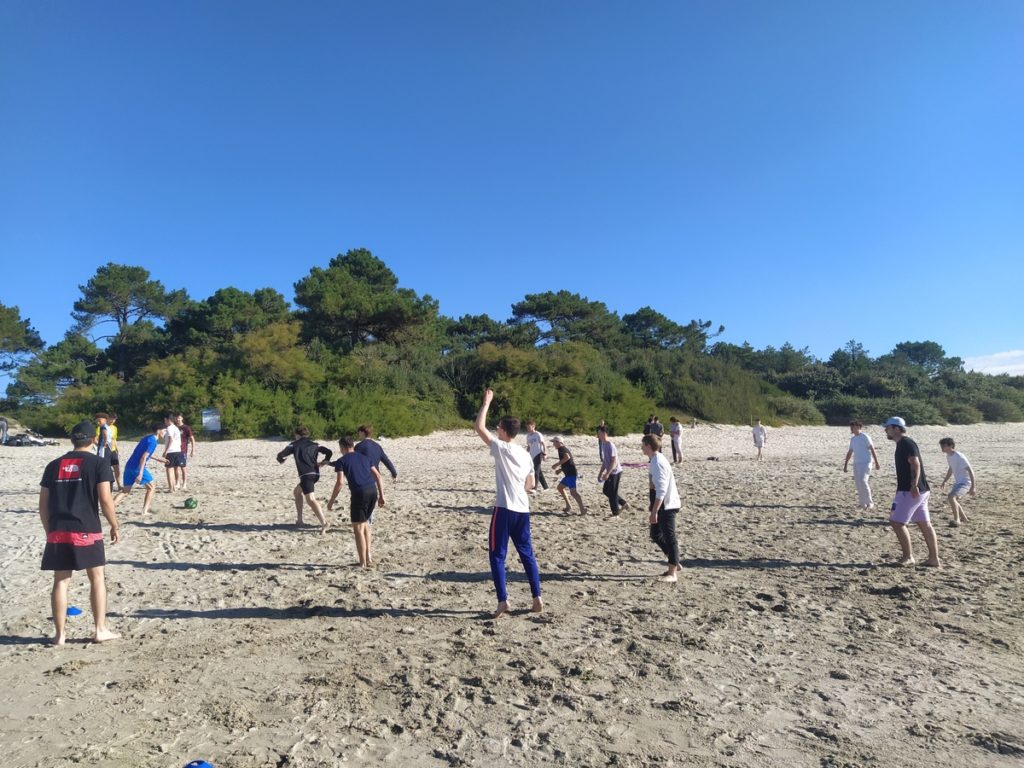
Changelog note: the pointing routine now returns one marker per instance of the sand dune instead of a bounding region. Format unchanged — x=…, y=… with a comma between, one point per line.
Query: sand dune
x=789, y=640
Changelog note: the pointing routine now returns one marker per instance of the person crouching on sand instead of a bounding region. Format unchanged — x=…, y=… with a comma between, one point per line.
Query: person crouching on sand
x=513, y=469
x=366, y=489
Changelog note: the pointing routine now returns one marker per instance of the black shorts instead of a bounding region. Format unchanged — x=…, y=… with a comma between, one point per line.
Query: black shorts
x=68, y=557
x=308, y=482
x=115, y=460
x=364, y=499
x=176, y=459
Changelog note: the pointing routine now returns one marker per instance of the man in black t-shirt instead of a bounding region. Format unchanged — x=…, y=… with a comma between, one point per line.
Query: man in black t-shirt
x=72, y=491
x=307, y=462
x=912, y=491
x=566, y=466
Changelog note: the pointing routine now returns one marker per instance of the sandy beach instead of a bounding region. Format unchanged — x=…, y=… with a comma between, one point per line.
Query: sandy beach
x=790, y=638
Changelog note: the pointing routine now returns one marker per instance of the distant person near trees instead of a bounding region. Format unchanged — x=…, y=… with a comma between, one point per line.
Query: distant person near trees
x=760, y=438
x=675, y=431
x=862, y=451
x=658, y=430
x=3, y=430
x=307, y=463
x=73, y=490
x=115, y=456
x=911, y=502
x=963, y=480
x=513, y=469
x=172, y=452
x=188, y=448
x=538, y=452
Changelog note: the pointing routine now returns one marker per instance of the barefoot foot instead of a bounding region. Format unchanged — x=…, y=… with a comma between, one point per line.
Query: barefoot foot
x=57, y=640
x=668, y=578
x=906, y=561
x=932, y=563
x=503, y=608
x=105, y=636
x=538, y=605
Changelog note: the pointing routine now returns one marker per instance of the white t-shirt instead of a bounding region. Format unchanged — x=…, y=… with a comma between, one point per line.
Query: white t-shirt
x=512, y=465
x=664, y=482
x=535, y=442
x=959, y=464
x=172, y=438
x=861, y=446
x=760, y=434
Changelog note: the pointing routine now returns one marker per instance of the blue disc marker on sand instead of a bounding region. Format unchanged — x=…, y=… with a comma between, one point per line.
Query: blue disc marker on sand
x=74, y=611
x=199, y=764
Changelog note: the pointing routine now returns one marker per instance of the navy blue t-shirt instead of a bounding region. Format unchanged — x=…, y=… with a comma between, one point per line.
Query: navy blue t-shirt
x=356, y=468
x=376, y=455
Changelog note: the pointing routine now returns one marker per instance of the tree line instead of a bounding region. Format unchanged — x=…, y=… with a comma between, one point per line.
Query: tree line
x=359, y=347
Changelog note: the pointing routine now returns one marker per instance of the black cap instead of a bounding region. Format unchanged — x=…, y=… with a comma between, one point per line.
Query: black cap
x=83, y=430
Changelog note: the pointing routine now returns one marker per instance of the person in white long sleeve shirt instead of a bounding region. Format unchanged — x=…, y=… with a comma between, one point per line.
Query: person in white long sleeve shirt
x=664, y=506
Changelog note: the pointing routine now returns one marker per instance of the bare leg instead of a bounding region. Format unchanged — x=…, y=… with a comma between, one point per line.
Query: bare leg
x=368, y=532
x=184, y=478
x=59, y=604
x=315, y=506
x=297, y=493
x=147, y=501
x=98, y=601
x=357, y=534
x=565, y=497
x=903, y=536
x=579, y=500
x=933, y=545
x=171, y=480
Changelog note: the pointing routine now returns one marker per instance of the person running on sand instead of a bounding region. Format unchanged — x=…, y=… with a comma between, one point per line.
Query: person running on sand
x=664, y=506
x=566, y=467
x=135, y=472
x=862, y=451
x=306, y=453
x=513, y=470
x=538, y=452
x=73, y=490
x=611, y=471
x=372, y=450
x=675, y=431
x=911, y=502
x=760, y=437
x=963, y=480
x=366, y=489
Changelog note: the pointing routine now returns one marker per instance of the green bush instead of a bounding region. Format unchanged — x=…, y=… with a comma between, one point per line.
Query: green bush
x=999, y=410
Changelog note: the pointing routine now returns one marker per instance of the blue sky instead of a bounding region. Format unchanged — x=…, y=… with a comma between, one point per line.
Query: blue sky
x=809, y=172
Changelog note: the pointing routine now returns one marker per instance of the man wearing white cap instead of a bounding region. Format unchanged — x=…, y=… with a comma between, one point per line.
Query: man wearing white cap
x=911, y=502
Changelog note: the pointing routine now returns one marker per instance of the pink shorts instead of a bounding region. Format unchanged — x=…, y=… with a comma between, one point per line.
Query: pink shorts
x=907, y=509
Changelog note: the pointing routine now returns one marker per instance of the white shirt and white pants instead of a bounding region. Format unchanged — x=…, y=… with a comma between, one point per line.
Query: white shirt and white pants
x=860, y=446
x=666, y=495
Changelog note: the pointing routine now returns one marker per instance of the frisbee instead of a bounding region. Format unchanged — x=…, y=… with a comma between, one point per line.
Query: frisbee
x=74, y=610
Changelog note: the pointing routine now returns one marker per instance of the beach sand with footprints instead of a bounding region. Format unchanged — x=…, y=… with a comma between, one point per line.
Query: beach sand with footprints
x=790, y=638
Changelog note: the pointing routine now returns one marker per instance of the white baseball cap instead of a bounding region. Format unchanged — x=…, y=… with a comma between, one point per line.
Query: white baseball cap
x=895, y=421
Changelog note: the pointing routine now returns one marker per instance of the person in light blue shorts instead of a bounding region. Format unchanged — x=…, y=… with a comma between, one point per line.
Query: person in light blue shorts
x=963, y=480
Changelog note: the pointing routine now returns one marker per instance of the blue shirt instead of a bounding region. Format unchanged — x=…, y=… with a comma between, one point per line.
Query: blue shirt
x=147, y=445
x=376, y=455
x=357, y=469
